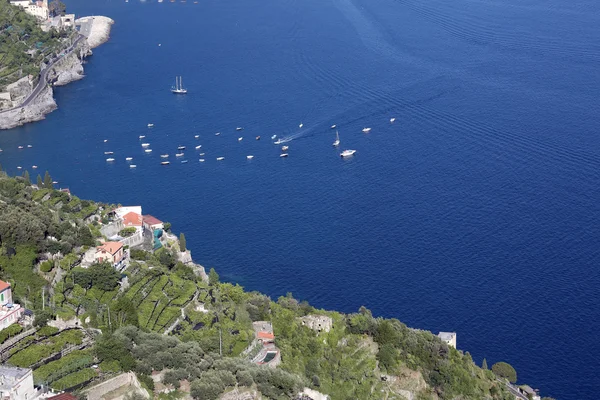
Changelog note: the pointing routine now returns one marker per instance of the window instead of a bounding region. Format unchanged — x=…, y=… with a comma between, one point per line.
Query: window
x=1, y=296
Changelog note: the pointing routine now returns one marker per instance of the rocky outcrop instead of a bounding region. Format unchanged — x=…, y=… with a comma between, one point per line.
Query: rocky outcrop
x=35, y=111
x=20, y=89
x=100, y=30
x=70, y=68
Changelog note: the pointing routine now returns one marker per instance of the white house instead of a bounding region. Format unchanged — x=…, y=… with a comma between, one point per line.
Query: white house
x=448, y=337
x=16, y=384
x=9, y=312
x=38, y=9
x=121, y=211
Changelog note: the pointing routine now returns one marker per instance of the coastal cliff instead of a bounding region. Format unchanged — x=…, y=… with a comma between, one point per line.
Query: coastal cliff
x=67, y=69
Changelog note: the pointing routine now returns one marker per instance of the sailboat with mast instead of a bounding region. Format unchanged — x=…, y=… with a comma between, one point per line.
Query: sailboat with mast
x=178, y=88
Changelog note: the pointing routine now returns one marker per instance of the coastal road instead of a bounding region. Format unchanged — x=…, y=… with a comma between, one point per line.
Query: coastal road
x=44, y=75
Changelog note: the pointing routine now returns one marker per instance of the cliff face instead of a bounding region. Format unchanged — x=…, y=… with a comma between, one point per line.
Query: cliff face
x=36, y=110
x=70, y=68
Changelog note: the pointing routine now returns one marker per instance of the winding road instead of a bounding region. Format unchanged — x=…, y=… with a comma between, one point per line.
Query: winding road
x=44, y=76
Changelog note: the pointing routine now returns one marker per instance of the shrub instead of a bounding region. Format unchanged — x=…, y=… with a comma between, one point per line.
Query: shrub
x=74, y=379
x=47, y=266
x=126, y=232
x=9, y=332
x=505, y=370
x=47, y=331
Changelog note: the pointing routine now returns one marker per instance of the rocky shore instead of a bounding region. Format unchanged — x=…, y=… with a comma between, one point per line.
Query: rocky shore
x=64, y=71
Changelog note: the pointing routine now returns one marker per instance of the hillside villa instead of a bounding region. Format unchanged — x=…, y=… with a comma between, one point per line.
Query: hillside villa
x=111, y=252
x=17, y=383
x=9, y=312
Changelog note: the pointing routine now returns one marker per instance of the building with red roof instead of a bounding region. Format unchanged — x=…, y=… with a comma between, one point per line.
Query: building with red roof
x=111, y=252
x=132, y=219
x=152, y=223
x=9, y=312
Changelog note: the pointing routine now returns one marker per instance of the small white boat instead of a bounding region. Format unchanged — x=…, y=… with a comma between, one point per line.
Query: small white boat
x=392, y=120
x=336, y=143
x=240, y=139
x=19, y=167
x=128, y=158
x=29, y=146
x=283, y=155
x=180, y=147
x=220, y=158
x=145, y=144
x=165, y=163
x=258, y=138
x=108, y=153
x=273, y=137
x=284, y=148
x=279, y=141
x=179, y=155
x=202, y=154
x=20, y=147
x=148, y=150
x=132, y=166
x=150, y=125
x=196, y=136
x=198, y=147
x=333, y=126
x=1, y=150
x=184, y=161
x=301, y=125
x=239, y=128
x=347, y=153
x=217, y=134
x=201, y=160
x=105, y=140
x=142, y=136
x=164, y=156
x=34, y=166
x=366, y=130
x=249, y=157
x=110, y=159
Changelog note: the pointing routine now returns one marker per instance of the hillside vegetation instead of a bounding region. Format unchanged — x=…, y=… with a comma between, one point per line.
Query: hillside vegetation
x=210, y=341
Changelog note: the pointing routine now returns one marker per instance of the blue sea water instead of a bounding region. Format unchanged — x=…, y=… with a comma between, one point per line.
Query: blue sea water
x=477, y=211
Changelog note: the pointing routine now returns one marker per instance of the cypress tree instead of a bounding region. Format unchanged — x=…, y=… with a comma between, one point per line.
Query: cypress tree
x=182, y=244
x=26, y=176
x=40, y=184
x=48, y=181
x=484, y=364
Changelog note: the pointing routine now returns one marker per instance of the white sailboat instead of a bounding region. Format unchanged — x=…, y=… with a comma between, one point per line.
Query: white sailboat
x=178, y=88
x=336, y=143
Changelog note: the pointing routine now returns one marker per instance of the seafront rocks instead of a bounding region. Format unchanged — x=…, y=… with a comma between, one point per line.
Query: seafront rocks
x=36, y=110
x=100, y=30
x=70, y=68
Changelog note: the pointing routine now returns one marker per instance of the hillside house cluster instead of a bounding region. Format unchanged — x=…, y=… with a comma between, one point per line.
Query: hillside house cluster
x=111, y=252
x=38, y=9
x=9, y=312
x=17, y=384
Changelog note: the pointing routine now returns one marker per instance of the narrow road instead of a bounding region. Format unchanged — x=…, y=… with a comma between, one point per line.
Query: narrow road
x=44, y=75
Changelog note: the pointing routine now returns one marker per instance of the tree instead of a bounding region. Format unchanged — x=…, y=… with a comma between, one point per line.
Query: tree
x=213, y=277
x=484, y=364
x=40, y=183
x=26, y=177
x=57, y=7
x=48, y=181
x=505, y=370
x=182, y=244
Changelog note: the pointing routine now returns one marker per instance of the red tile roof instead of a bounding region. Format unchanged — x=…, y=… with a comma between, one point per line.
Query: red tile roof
x=63, y=396
x=150, y=220
x=132, y=219
x=4, y=286
x=111, y=247
x=265, y=335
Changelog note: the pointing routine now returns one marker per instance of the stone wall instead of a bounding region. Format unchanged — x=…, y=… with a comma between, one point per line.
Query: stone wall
x=128, y=379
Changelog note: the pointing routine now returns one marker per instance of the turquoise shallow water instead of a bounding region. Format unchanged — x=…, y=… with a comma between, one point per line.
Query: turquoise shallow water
x=477, y=211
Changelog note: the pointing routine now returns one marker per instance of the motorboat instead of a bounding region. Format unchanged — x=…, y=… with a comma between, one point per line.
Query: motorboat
x=198, y=147
x=333, y=126
x=165, y=163
x=34, y=166
x=240, y=139
x=347, y=153
x=249, y=157
x=29, y=146
x=220, y=158
x=180, y=147
x=366, y=130
x=336, y=142
x=110, y=159
x=258, y=138
x=148, y=150
x=179, y=155
x=145, y=144
x=392, y=120
x=128, y=158
x=301, y=125
x=196, y=136
x=184, y=161
x=164, y=156
x=105, y=140
x=19, y=167
x=283, y=155
x=284, y=148
x=20, y=147
x=150, y=125
x=279, y=141
x=108, y=153
x=273, y=137
x=217, y=134
x=132, y=166
x=239, y=128
x=141, y=136
x=201, y=160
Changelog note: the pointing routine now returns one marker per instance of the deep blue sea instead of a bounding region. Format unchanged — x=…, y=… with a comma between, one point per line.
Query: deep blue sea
x=477, y=211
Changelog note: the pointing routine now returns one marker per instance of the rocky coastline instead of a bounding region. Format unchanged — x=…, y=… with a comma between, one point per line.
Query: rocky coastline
x=68, y=69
